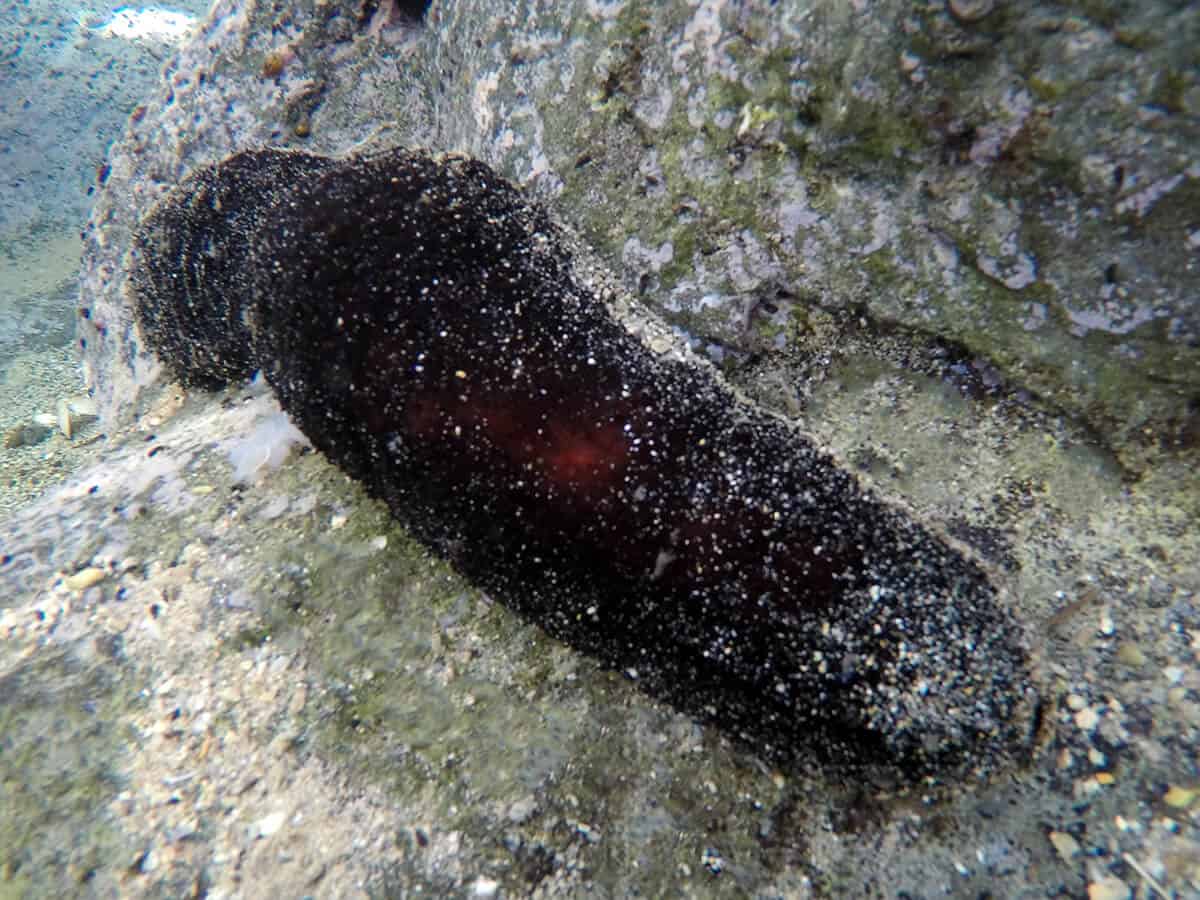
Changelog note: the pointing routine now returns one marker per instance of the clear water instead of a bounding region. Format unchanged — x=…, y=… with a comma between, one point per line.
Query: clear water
x=70, y=74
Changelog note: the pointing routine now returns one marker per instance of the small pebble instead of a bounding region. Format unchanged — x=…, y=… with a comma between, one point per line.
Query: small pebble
x=63, y=418
x=968, y=11
x=1179, y=797
x=268, y=825
x=1109, y=889
x=485, y=887
x=1087, y=719
x=148, y=863
x=1131, y=655
x=1065, y=845
x=25, y=435
x=183, y=831
x=84, y=579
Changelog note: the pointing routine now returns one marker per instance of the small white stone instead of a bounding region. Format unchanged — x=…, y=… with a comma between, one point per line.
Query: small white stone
x=268, y=825
x=485, y=887
x=1087, y=719
x=63, y=418
x=82, y=406
x=1111, y=888
x=84, y=579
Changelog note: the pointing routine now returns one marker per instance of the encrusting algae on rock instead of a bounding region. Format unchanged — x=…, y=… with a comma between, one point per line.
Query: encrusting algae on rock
x=424, y=326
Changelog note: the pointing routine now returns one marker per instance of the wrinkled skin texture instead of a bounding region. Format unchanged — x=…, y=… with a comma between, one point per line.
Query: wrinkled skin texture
x=423, y=326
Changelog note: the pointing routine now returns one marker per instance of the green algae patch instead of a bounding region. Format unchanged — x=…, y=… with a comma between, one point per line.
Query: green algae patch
x=62, y=736
x=396, y=640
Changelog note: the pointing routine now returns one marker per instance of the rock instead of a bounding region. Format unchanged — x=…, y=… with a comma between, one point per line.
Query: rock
x=25, y=435
x=1131, y=655
x=84, y=579
x=1064, y=844
x=1087, y=718
x=485, y=887
x=1179, y=797
x=935, y=183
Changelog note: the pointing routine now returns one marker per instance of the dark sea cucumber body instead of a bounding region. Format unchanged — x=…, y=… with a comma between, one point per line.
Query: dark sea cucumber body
x=424, y=327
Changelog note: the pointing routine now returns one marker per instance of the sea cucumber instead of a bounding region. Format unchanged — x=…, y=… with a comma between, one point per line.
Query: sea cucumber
x=424, y=325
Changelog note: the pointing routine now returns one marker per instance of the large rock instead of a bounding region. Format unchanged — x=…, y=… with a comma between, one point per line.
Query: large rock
x=1017, y=183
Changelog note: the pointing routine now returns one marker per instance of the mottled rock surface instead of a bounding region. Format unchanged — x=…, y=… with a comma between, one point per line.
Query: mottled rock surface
x=1019, y=185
